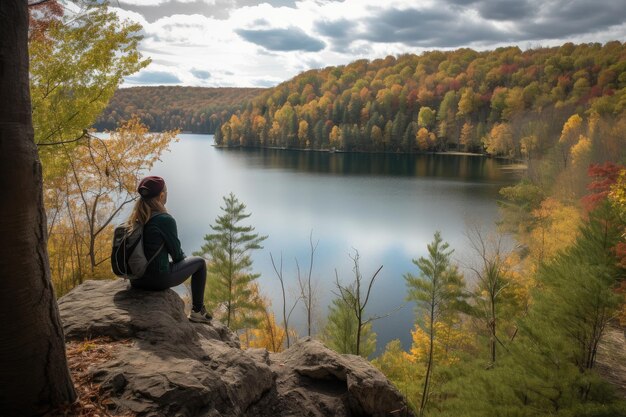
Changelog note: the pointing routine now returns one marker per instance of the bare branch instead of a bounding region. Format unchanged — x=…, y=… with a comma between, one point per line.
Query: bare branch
x=32, y=3
x=374, y=318
x=84, y=135
x=369, y=288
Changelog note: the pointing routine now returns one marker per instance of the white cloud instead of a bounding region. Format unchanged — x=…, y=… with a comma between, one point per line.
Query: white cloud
x=130, y=15
x=322, y=33
x=160, y=2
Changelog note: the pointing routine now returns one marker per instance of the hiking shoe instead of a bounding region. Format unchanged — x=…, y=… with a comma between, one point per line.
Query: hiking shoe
x=200, y=316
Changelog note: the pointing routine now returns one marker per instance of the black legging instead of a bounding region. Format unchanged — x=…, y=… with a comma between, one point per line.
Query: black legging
x=179, y=272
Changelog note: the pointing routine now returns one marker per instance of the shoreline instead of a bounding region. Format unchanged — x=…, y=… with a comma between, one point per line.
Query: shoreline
x=283, y=148
x=515, y=164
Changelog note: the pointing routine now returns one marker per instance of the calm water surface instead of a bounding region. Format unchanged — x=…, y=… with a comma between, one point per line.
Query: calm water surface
x=386, y=206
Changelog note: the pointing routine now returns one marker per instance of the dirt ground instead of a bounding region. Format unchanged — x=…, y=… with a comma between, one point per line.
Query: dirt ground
x=90, y=403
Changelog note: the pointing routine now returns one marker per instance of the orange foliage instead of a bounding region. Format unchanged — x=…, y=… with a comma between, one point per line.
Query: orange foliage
x=374, y=103
x=194, y=109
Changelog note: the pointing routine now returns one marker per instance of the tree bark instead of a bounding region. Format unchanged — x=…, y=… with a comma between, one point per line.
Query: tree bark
x=34, y=376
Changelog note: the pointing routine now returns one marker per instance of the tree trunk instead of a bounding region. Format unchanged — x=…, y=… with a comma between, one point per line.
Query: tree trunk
x=34, y=376
x=358, y=338
x=493, y=330
x=429, y=365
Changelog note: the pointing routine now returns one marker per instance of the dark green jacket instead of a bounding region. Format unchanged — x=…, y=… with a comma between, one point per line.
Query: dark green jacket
x=161, y=229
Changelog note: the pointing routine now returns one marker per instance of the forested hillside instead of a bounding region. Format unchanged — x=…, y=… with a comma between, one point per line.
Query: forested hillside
x=507, y=101
x=194, y=109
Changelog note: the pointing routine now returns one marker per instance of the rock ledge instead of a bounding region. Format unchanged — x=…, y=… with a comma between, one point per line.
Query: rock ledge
x=173, y=367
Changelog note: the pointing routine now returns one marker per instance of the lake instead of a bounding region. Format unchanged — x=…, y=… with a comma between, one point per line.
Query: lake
x=385, y=206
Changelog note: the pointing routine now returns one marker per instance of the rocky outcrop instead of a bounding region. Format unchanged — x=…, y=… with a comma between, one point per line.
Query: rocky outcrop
x=168, y=366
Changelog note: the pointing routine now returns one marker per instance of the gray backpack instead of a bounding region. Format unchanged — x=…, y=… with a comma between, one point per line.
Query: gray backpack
x=128, y=259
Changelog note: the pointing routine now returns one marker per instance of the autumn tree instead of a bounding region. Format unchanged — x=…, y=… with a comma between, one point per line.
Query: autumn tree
x=78, y=59
x=467, y=136
x=570, y=135
x=227, y=251
x=426, y=118
x=82, y=205
x=396, y=365
x=554, y=228
x=41, y=16
x=467, y=104
x=513, y=103
x=425, y=140
x=500, y=141
x=380, y=106
x=303, y=134
x=448, y=346
x=76, y=68
x=266, y=333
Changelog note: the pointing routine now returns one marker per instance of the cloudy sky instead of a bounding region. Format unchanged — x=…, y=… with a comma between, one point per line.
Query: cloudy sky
x=251, y=43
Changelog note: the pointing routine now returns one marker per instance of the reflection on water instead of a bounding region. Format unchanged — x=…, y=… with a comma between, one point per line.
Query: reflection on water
x=459, y=167
x=386, y=206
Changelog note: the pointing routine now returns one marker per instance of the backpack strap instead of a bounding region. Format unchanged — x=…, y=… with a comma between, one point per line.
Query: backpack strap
x=152, y=216
x=156, y=253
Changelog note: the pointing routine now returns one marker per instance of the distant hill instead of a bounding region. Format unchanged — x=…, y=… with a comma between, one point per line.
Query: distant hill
x=506, y=101
x=194, y=109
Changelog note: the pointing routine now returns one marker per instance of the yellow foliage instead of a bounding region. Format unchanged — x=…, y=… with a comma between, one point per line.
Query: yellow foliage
x=303, y=130
x=82, y=201
x=617, y=194
x=425, y=139
x=500, y=140
x=407, y=376
x=571, y=130
x=466, y=138
x=274, y=133
x=393, y=361
x=581, y=153
x=75, y=69
x=268, y=334
x=528, y=145
x=449, y=340
x=521, y=282
x=335, y=137
x=555, y=229
x=86, y=346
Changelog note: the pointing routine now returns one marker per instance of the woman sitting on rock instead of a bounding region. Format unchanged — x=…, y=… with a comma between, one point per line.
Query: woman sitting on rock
x=160, y=239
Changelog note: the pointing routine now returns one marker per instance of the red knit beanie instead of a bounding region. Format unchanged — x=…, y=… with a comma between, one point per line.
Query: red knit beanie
x=150, y=187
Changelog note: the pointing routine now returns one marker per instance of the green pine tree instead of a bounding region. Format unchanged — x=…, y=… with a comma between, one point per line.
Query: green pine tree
x=229, y=282
x=550, y=367
x=572, y=306
x=438, y=292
